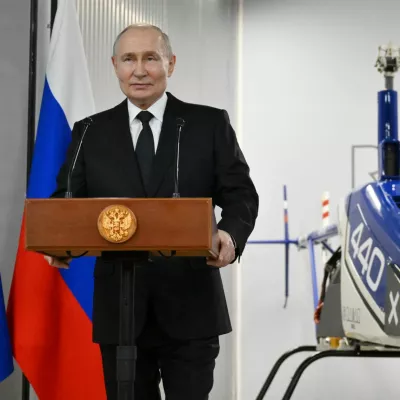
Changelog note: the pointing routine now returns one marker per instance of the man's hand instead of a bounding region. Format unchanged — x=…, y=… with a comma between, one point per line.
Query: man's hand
x=58, y=262
x=226, y=251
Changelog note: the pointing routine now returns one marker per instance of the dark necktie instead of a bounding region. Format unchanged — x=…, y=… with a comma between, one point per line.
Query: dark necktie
x=145, y=147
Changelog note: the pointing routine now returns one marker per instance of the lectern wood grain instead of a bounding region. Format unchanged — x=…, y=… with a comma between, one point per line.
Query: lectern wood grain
x=186, y=226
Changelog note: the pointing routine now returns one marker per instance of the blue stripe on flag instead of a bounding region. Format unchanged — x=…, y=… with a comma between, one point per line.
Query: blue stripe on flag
x=79, y=278
x=53, y=138
x=6, y=359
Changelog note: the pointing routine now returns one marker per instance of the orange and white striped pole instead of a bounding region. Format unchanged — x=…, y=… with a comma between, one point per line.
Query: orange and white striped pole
x=325, y=222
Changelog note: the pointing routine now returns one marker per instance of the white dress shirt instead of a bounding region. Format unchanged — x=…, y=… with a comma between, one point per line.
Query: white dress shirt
x=157, y=109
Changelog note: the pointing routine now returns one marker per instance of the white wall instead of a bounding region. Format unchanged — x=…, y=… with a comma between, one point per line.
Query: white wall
x=14, y=75
x=310, y=91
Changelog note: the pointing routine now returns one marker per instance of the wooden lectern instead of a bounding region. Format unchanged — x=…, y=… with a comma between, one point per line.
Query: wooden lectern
x=123, y=231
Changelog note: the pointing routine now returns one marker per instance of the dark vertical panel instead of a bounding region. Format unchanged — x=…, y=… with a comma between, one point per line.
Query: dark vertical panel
x=32, y=113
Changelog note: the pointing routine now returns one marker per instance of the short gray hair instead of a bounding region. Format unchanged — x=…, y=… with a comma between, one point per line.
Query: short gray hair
x=166, y=42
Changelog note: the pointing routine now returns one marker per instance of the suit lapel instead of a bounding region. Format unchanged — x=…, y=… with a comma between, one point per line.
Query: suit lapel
x=122, y=139
x=166, y=148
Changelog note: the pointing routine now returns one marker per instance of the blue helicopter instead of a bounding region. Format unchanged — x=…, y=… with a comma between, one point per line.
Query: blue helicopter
x=357, y=309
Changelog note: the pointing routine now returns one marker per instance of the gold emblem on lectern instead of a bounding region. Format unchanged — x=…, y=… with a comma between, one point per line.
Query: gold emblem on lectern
x=117, y=223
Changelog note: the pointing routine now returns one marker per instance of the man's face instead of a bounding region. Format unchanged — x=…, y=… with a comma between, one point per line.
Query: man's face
x=142, y=66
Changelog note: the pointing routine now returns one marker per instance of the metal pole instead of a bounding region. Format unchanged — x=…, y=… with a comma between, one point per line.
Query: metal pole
x=32, y=114
x=53, y=11
x=32, y=85
x=31, y=123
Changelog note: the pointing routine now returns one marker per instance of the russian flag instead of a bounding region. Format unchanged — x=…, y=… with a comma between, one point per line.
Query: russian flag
x=50, y=310
x=6, y=361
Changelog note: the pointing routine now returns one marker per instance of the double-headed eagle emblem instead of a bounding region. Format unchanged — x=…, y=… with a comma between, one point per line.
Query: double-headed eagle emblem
x=117, y=223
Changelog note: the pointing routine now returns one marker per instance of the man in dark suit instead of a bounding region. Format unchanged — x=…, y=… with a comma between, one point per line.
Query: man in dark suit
x=129, y=151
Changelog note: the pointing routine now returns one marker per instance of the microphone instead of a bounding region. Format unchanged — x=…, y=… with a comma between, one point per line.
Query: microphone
x=180, y=124
x=87, y=122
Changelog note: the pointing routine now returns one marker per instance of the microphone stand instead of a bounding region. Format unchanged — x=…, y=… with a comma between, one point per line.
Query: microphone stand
x=68, y=194
x=181, y=124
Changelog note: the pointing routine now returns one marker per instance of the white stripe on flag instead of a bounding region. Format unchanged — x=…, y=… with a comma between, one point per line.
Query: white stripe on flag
x=67, y=72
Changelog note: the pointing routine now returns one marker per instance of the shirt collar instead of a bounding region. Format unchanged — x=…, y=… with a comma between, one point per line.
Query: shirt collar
x=157, y=109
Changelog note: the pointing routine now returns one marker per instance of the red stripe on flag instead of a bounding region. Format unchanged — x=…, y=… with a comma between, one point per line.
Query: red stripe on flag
x=51, y=334
x=326, y=214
